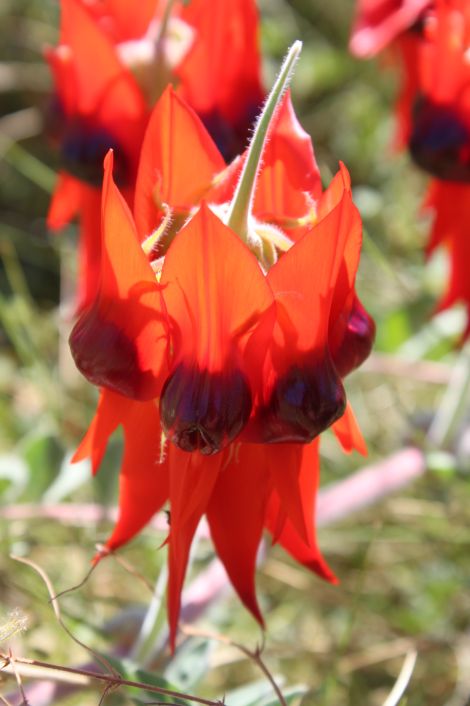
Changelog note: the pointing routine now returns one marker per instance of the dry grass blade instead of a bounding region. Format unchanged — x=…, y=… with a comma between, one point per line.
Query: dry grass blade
x=403, y=680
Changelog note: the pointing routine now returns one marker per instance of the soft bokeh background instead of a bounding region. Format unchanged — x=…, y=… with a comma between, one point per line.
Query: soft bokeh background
x=403, y=564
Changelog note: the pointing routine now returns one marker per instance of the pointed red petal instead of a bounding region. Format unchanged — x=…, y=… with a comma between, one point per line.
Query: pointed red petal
x=215, y=291
x=304, y=279
x=307, y=554
x=236, y=515
x=177, y=165
x=348, y=433
x=111, y=409
x=120, y=343
x=192, y=479
x=144, y=480
x=289, y=180
x=284, y=466
x=89, y=248
x=66, y=201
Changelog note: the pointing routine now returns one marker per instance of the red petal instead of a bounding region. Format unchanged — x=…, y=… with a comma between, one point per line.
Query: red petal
x=289, y=179
x=379, y=23
x=120, y=343
x=66, y=201
x=178, y=162
x=192, y=479
x=236, y=515
x=89, y=248
x=103, y=88
x=110, y=411
x=144, y=480
x=307, y=554
x=231, y=78
x=129, y=20
x=285, y=465
x=215, y=291
x=303, y=280
x=348, y=433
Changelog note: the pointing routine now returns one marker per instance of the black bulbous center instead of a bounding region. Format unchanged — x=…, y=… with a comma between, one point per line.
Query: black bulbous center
x=204, y=411
x=440, y=141
x=356, y=342
x=305, y=401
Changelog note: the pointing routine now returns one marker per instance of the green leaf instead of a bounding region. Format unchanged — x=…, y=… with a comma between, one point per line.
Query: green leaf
x=131, y=672
x=190, y=663
x=44, y=456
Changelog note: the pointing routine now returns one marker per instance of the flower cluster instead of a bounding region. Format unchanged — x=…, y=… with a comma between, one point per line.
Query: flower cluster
x=434, y=112
x=112, y=63
x=223, y=317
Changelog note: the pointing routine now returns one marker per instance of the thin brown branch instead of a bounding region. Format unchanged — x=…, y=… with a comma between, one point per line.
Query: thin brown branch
x=18, y=680
x=116, y=681
x=55, y=605
x=254, y=655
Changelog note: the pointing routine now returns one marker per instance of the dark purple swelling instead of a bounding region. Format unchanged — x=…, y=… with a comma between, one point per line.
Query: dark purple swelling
x=440, y=142
x=203, y=411
x=356, y=342
x=305, y=401
x=108, y=358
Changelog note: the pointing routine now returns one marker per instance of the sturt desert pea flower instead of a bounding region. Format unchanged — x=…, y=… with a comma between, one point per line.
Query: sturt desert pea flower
x=221, y=370
x=111, y=64
x=440, y=141
x=395, y=26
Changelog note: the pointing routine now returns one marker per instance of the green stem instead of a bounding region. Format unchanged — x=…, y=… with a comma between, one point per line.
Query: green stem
x=240, y=207
x=153, y=621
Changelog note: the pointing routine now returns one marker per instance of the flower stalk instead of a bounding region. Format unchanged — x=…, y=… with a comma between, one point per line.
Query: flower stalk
x=240, y=208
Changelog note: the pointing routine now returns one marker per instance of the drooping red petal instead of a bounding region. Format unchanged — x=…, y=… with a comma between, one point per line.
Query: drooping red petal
x=121, y=341
x=284, y=467
x=144, y=478
x=450, y=204
x=236, y=515
x=66, y=201
x=348, y=433
x=307, y=553
x=192, y=480
x=177, y=165
x=111, y=409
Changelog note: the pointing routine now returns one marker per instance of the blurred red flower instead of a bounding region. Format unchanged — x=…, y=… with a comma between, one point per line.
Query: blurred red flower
x=112, y=62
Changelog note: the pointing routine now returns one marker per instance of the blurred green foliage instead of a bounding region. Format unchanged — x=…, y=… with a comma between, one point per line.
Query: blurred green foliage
x=403, y=564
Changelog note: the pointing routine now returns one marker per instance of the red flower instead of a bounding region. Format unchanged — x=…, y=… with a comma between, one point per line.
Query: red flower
x=379, y=22
x=243, y=362
x=440, y=141
x=395, y=25
x=109, y=67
